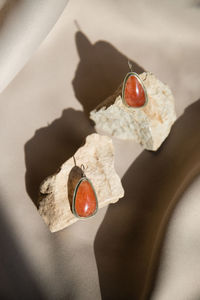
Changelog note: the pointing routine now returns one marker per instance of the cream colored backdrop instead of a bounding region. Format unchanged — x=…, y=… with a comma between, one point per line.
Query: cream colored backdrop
x=44, y=94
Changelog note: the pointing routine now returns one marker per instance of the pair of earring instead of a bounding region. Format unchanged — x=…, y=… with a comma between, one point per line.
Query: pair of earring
x=84, y=200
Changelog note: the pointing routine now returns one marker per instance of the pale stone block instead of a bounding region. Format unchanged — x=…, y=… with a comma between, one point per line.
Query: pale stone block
x=149, y=125
x=97, y=155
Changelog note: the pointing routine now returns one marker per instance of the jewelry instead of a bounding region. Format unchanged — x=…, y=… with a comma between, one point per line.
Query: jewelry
x=134, y=93
x=84, y=202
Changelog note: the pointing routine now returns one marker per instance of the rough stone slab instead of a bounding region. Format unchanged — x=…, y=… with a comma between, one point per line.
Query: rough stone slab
x=149, y=125
x=97, y=155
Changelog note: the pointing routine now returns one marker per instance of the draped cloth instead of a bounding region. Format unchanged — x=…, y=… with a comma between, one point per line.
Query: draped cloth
x=58, y=60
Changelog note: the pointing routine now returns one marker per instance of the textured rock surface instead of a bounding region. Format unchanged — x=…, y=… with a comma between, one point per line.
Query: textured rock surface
x=149, y=125
x=97, y=155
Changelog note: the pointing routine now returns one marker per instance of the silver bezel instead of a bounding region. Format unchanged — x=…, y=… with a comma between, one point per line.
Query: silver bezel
x=74, y=198
x=142, y=84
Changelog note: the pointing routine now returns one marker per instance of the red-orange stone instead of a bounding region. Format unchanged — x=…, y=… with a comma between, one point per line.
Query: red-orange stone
x=134, y=94
x=85, y=202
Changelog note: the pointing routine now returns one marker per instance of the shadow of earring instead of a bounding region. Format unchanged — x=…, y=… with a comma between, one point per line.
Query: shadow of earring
x=75, y=176
x=100, y=71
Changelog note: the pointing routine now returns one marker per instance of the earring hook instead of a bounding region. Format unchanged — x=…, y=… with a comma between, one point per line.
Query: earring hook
x=83, y=168
x=130, y=65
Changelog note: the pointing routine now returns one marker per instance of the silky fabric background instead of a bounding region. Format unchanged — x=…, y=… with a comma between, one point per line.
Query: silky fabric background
x=23, y=26
x=43, y=121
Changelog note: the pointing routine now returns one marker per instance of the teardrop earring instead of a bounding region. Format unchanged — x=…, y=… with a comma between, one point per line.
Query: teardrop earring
x=134, y=93
x=84, y=202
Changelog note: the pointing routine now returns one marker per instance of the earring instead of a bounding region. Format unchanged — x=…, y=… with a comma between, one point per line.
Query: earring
x=84, y=202
x=134, y=93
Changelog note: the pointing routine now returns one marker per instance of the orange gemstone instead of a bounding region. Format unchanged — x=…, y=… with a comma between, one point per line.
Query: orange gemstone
x=85, y=200
x=134, y=94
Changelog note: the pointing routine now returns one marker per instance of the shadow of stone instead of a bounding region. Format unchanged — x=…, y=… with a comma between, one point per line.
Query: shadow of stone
x=17, y=279
x=128, y=243
x=196, y=4
x=51, y=146
x=100, y=71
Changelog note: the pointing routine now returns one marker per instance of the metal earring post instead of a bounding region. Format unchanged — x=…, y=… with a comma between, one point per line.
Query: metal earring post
x=130, y=66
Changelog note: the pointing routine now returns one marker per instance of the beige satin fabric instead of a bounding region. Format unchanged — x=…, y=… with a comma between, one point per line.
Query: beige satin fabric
x=24, y=25
x=146, y=245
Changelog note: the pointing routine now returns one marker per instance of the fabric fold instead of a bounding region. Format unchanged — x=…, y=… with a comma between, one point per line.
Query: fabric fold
x=23, y=26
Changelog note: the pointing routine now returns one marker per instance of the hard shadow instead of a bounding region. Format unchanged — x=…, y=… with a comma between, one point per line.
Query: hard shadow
x=51, y=146
x=75, y=175
x=128, y=243
x=16, y=278
x=100, y=71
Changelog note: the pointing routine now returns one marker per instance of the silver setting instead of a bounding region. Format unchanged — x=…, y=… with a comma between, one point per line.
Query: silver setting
x=84, y=178
x=131, y=73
